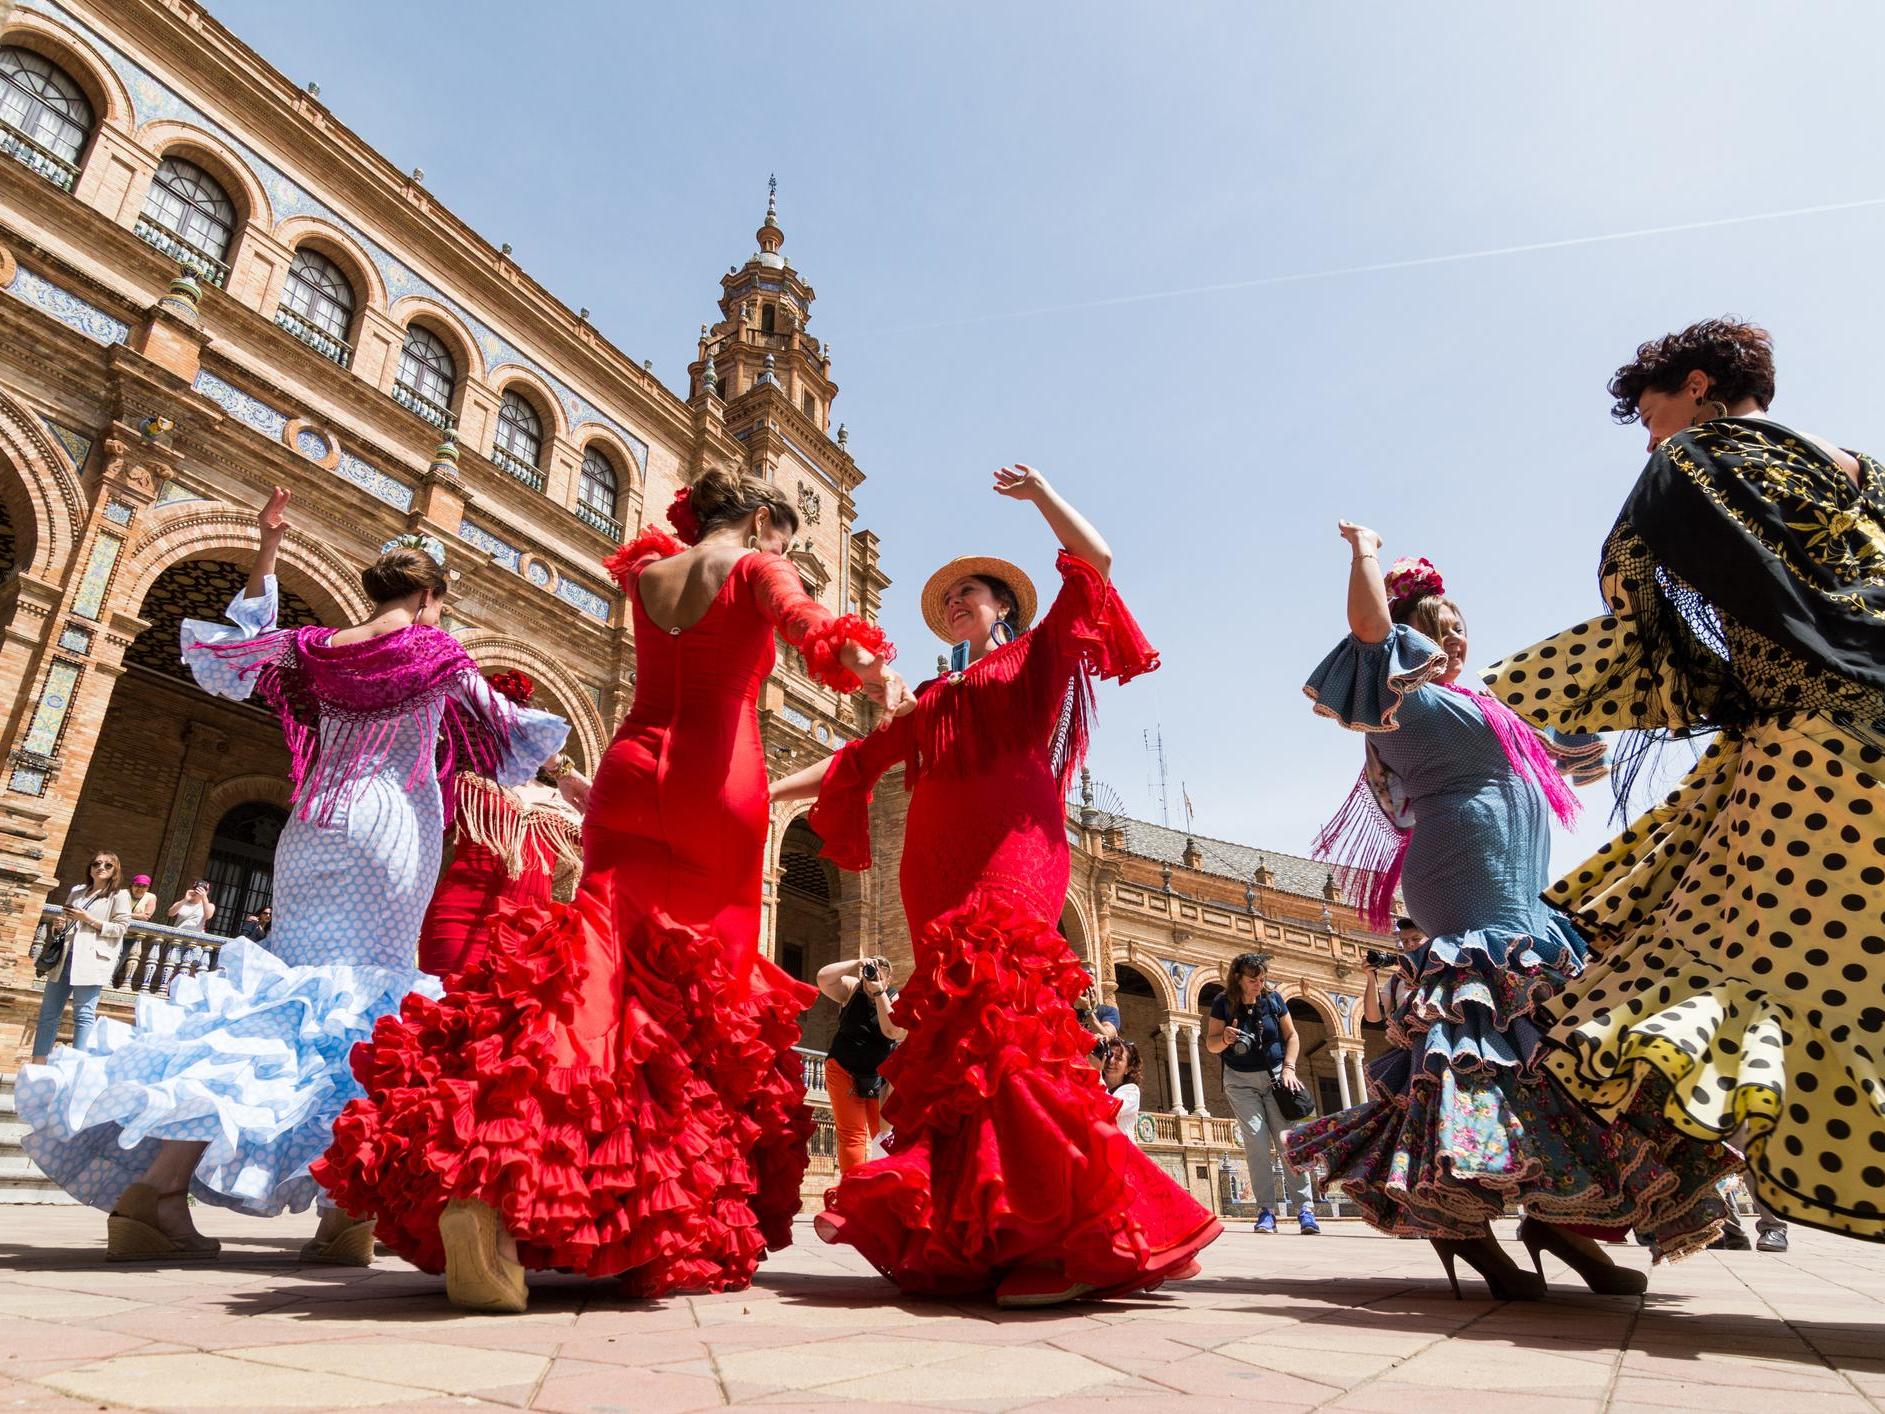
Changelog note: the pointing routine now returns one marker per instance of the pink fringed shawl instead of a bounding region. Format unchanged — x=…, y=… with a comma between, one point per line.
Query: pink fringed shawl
x=1366, y=842
x=363, y=693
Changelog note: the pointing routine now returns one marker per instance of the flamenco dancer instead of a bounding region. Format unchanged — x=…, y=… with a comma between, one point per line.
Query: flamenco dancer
x=612, y=1089
x=1455, y=804
x=1007, y=1171
x=227, y=1091
x=1739, y=925
x=510, y=844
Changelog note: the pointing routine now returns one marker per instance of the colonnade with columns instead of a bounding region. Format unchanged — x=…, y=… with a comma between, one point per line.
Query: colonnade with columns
x=1179, y=1035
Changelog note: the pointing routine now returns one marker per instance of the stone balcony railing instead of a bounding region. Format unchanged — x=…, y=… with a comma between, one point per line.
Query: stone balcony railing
x=151, y=954
x=199, y=263
x=23, y=150
x=323, y=343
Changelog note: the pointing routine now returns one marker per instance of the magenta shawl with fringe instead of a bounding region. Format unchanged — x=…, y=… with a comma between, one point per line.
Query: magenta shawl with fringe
x=1367, y=845
x=362, y=694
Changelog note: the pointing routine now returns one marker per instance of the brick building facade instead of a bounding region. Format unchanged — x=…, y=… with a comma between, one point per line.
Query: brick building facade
x=209, y=286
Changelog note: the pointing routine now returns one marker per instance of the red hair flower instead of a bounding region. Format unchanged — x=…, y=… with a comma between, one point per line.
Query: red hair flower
x=513, y=684
x=682, y=517
x=1413, y=579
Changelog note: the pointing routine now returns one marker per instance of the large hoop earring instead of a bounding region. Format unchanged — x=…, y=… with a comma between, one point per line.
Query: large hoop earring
x=752, y=541
x=1002, y=633
x=1701, y=415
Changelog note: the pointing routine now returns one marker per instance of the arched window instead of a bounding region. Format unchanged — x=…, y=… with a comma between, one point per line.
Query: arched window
x=427, y=375
x=190, y=218
x=44, y=117
x=768, y=319
x=317, y=306
x=599, y=492
x=241, y=868
x=519, y=444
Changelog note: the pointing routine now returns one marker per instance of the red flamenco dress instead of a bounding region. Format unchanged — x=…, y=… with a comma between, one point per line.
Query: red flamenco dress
x=1004, y=1160
x=616, y=1077
x=510, y=848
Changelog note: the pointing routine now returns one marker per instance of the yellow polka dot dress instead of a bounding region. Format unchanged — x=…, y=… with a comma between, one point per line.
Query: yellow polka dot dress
x=1738, y=928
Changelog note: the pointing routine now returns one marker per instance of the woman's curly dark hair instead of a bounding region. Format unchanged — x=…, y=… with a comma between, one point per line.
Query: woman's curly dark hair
x=1737, y=357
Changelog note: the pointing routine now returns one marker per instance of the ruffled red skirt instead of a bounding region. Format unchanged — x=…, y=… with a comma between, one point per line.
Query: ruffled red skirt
x=1004, y=1154
x=625, y=1107
x=457, y=926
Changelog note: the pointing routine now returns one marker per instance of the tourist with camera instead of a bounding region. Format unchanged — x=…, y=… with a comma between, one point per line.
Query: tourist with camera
x=1384, y=994
x=1250, y=1027
x=864, y=989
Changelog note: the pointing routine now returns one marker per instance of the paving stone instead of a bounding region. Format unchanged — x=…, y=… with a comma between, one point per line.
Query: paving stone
x=1357, y=1323
x=198, y=1381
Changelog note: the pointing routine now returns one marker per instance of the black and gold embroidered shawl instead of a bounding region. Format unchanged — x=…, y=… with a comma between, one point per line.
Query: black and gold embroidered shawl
x=1754, y=570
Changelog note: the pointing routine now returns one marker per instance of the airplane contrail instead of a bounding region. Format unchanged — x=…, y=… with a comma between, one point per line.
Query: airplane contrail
x=1378, y=267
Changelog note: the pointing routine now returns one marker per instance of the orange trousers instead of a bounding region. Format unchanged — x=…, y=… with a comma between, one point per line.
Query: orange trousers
x=857, y=1121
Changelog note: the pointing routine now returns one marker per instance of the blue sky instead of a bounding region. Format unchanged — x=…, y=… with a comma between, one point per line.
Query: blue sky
x=1053, y=233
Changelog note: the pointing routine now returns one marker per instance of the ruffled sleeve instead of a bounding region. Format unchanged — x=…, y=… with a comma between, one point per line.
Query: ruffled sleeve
x=1090, y=625
x=842, y=815
x=811, y=628
x=1364, y=685
x=508, y=742
x=630, y=559
x=225, y=660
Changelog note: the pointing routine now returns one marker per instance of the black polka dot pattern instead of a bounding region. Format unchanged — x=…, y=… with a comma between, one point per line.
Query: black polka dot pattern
x=1738, y=941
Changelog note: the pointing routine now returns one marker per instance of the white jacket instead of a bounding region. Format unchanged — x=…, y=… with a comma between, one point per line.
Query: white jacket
x=100, y=934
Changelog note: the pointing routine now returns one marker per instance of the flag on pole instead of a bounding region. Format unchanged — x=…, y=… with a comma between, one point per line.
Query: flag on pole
x=1184, y=791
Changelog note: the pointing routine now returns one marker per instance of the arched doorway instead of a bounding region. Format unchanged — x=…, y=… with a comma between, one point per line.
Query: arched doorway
x=241, y=868
x=165, y=743
x=1213, y=1077
x=1315, y=1056
x=1141, y=1014
x=806, y=925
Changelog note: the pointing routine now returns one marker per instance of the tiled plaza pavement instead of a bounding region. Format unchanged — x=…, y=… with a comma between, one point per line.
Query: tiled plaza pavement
x=1345, y=1321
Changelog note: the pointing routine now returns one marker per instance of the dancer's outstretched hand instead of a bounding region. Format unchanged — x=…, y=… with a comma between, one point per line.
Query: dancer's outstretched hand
x=273, y=517
x=1361, y=539
x=897, y=701
x=1021, y=483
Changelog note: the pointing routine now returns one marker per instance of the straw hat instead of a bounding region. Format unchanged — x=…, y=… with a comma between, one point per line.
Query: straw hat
x=959, y=569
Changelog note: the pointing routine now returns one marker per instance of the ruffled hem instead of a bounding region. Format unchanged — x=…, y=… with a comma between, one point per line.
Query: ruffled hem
x=1004, y=1151
x=250, y=1060
x=822, y=646
x=674, y=1165
x=1445, y=1159
x=1476, y=995
x=1460, y=1124
x=1107, y=637
x=652, y=544
x=1361, y=685
x=1710, y=1054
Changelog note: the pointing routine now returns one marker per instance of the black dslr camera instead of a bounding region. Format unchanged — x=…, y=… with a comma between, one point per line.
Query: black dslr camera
x=1378, y=959
x=867, y=970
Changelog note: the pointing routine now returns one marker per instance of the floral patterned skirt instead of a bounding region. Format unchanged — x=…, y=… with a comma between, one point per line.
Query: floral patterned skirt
x=1460, y=1123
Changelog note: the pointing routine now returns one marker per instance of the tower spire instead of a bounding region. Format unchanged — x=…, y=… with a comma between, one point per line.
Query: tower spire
x=769, y=235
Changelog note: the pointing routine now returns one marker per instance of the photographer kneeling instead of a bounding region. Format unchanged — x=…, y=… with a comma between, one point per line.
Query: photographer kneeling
x=863, y=990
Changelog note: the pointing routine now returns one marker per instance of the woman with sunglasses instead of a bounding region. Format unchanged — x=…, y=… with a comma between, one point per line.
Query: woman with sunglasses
x=96, y=914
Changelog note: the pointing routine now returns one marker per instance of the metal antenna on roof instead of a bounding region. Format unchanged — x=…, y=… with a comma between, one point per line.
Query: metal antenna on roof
x=1158, y=779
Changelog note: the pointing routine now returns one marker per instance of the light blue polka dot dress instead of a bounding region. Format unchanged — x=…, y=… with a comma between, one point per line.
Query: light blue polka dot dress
x=253, y=1059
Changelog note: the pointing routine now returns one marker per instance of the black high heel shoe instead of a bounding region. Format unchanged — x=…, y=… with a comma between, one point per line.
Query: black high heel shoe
x=1503, y=1277
x=1597, y=1271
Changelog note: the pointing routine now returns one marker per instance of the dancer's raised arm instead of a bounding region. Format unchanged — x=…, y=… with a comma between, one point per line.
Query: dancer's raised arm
x=1367, y=596
x=273, y=521
x=1076, y=534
